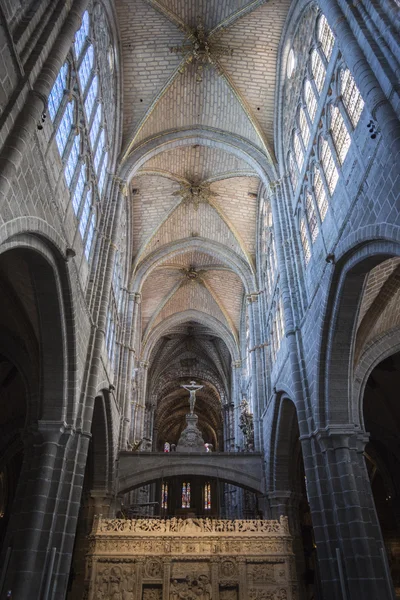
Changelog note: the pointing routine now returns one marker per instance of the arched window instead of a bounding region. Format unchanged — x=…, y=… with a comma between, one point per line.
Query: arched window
x=310, y=99
x=81, y=34
x=318, y=70
x=328, y=164
x=90, y=235
x=57, y=91
x=91, y=97
x=86, y=67
x=64, y=128
x=79, y=189
x=99, y=150
x=351, y=96
x=340, y=135
x=94, y=130
x=72, y=160
x=326, y=37
x=311, y=217
x=83, y=224
x=292, y=170
x=320, y=194
x=186, y=495
x=304, y=128
x=304, y=240
x=298, y=150
x=102, y=175
x=164, y=496
x=207, y=496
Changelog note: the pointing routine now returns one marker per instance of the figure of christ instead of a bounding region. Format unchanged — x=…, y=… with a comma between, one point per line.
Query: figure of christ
x=192, y=388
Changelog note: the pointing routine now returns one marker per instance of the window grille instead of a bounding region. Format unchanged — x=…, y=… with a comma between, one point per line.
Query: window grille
x=94, y=130
x=79, y=188
x=298, y=150
x=320, y=194
x=311, y=100
x=340, y=135
x=328, y=164
x=318, y=70
x=304, y=128
x=57, y=91
x=311, y=217
x=72, y=159
x=304, y=240
x=91, y=97
x=86, y=67
x=81, y=34
x=326, y=37
x=64, y=128
x=351, y=96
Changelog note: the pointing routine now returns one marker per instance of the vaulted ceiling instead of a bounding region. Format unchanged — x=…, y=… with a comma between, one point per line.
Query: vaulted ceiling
x=195, y=72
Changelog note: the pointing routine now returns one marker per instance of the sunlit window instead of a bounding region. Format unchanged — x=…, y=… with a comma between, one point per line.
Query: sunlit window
x=351, y=96
x=320, y=194
x=64, y=128
x=328, y=164
x=86, y=67
x=207, y=496
x=72, y=159
x=103, y=170
x=340, y=135
x=79, y=188
x=311, y=217
x=298, y=150
x=311, y=100
x=318, y=70
x=326, y=37
x=186, y=495
x=304, y=240
x=304, y=128
x=90, y=236
x=164, y=496
x=99, y=151
x=91, y=97
x=81, y=34
x=94, y=130
x=57, y=91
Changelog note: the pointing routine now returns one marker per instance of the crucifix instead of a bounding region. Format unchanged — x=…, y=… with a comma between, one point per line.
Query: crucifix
x=192, y=388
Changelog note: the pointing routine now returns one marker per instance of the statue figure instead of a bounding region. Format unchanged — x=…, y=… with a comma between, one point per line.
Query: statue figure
x=192, y=388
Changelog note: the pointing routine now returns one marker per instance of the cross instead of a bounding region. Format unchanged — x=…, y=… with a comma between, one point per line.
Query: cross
x=192, y=388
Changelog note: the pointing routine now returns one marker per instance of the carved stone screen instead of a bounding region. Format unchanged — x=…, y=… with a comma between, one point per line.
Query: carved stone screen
x=190, y=559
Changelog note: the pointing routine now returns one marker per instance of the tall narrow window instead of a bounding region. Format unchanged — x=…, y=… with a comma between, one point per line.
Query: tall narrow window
x=320, y=194
x=102, y=175
x=164, y=496
x=57, y=91
x=280, y=321
x=90, y=235
x=304, y=240
x=311, y=217
x=78, y=192
x=95, y=126
x=328, y=164
x=351, y=97
x=72, y=159
x=298, y=150
x=340, y=135
x=207, y=496
x=318, y=70
x=85, y=214
x=86, y=67
x=292, y=171
x=64, y=128
x=186, y=495
x=304, y=128
x=326, y=37
x=81, y=34
x=311, y=100
x=91, y=97
x=99, y=151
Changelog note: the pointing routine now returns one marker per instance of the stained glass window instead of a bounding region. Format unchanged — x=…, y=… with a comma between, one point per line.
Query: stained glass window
x=94, y=130
x=326, y=37
x=304, y=240
x=89, y=238
x=318, y=70
x=304, y=128
x=78, y=192
x=164, y=496
x=86, y=67
x=340, y=134
x=311, y=217
x=298, y=150
x=103, y=173
x=64, y=128
x=72, y=159
x=186, y=495
x=85, y=213
x=320, y=194
x=99, y=151
x=328, y=164
x=207, y=496
x=57, y=91
x=81, y=34
x=91, y=97
x=311, y=100
x=351, y=96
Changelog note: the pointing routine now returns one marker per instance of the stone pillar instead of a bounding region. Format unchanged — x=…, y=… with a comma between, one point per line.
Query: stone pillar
x=166, y=578
x=214, y=580
x=243, y=592
x=349, y=542
x=257, y=366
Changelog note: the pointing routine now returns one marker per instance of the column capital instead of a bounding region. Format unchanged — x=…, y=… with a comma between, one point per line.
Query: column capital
x=252, y=297
x=334, y=437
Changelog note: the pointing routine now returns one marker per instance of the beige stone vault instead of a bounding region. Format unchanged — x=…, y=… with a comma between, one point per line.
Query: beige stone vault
x=191, y=559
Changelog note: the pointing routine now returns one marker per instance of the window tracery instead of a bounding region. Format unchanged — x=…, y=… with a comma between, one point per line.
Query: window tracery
x=351, y=97
x=320, y=194
x=164, y=496
x=304, y=128
x=207, y=496
x=304, y=240
x=67, y=118
x=311, y=217
x=325, y=37
x=311, y=100
x=340, y=135
x=328, y=164
x=318, y=70
x=298, y=150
